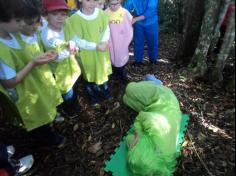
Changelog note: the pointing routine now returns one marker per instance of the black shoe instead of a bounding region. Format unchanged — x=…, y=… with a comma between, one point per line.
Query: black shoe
x=138, y=64
x=153, y=62
x=56, y=141
x=45, y=136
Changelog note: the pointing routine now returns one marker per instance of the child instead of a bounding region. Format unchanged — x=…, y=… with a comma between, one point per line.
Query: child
x=65, y=69
x=101, y=4
x=25, y=74
x=121, y=36
x=90, y=29
x=145, y=27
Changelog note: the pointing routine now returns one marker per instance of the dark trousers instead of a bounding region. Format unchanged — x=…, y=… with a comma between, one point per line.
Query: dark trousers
x=119, y=72
x=97, y=92
x=70, y=100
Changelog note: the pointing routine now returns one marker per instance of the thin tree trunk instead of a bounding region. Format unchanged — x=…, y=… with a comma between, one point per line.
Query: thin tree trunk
x=222, y=13
x=198, y=66
x=225, y=49
x=182, y=14
x=188, y=42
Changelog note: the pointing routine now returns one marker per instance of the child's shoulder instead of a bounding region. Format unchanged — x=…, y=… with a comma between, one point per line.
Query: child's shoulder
x=102, y=12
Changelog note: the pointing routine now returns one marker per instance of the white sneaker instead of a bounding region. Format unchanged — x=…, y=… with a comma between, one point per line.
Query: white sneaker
x=10, y=151
x=25, y=164
x=59, y=118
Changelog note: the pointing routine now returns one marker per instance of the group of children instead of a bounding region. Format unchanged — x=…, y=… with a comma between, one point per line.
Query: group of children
x=44, y=51
x=39, y=65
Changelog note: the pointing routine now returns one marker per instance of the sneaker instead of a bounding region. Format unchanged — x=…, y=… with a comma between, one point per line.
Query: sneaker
x=10, y=151
x=152, y=78
x=59, y=118
x=56, y=141
x=25, y=164
x=153, y=62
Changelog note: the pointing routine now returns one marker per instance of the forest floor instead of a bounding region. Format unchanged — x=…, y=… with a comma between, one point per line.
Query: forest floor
x=93, y=135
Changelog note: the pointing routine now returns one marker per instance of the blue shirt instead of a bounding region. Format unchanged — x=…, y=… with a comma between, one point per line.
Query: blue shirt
x=148, y=8
x=6, y=72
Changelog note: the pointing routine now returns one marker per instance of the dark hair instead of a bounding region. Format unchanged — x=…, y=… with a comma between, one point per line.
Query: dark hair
x=21, y=9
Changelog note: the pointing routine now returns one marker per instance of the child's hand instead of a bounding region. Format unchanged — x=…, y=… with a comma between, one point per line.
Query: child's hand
x=72, y=47
x=103, y=46
x=139, y=18
x=45, y=58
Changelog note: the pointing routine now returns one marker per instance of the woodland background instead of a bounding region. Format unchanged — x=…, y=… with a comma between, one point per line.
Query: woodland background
x=203, y=81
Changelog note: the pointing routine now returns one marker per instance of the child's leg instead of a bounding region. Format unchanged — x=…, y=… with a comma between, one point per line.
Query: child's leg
x=138, y=43
x=93, y=91
x=46, y=135
x=123, y=73
x=151, y=33
x=105, y=91
x=71, y=101
x=115, y=73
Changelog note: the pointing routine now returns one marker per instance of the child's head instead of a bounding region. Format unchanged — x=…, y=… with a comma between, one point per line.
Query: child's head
x=57, y=11
x=33, y=20
x=101, y=4
x=114, y=4
x=87, y=6
x=14, y=12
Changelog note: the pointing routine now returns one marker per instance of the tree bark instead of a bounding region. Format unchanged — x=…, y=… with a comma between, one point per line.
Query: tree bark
x=189, y=39
x=225, y=49
x=222, y=13
x=198, y=65
x=182, y=14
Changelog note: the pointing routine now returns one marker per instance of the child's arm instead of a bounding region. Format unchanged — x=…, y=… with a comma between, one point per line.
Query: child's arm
x=104, y=44
x=106, y=35
x=84, y=44
x=139, y=18
x=20, y=76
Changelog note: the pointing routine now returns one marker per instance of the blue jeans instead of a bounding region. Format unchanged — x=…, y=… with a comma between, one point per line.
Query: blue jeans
x=150, y=33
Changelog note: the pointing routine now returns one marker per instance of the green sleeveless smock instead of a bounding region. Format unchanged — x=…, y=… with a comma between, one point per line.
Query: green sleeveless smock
x=38, y=95
x=95, y=65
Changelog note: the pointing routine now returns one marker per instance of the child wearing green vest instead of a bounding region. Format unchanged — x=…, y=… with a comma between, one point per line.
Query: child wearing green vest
x=66, y=68
x=89, y=28
x=25, y=74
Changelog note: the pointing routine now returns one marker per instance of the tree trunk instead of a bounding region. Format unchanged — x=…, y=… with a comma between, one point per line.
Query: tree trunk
x=225, y=49
x=216, y=37
x=188, y=41
x=182, y=14
x=198, y=65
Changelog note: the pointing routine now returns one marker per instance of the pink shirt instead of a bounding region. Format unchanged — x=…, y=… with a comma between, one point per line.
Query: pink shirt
x=120, y=39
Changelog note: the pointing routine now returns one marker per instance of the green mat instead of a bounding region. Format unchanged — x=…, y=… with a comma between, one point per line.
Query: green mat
x=118, y=163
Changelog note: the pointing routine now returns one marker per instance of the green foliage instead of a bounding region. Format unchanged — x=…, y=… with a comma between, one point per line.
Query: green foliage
x=168, y=16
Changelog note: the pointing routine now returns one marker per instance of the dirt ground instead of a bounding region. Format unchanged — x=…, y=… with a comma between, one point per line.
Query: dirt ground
x=93, y=135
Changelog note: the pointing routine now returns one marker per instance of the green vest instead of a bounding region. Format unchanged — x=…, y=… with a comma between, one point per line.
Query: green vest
x=38, y=95
x=66, y=72
x=95, y=65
